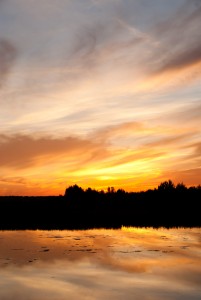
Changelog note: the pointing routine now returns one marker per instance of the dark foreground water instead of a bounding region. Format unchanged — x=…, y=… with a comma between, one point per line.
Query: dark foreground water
x=122, y=264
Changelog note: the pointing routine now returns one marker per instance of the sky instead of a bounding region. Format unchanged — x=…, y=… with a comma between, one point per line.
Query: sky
x=99, y=93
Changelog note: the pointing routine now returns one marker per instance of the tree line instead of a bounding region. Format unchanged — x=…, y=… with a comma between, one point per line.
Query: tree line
x=168, y=205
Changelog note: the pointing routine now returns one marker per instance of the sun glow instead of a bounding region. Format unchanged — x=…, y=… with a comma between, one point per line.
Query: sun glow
x=108, y=97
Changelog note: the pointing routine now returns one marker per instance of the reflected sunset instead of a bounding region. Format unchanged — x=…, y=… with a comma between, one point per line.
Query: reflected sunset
x=100, y=264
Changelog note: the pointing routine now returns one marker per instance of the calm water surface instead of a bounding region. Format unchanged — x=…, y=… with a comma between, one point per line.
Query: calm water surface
x=122, y=264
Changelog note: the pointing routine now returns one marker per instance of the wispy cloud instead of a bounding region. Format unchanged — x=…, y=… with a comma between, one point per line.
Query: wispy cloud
x=178, y=38
x=8, y=55
x=24, y=151
x=103, y=89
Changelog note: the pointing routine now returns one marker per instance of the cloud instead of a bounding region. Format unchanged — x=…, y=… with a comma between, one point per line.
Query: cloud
x=97, y=47
x=115, y=44
x=184, y=59
x=197, y=149
x=8, y=55
x=104, y=43
x=179, y=45
x=115, y=131
x=189, y=176
x=13, y=180
x=187, y=115
x=24, y=151
x=92, y=90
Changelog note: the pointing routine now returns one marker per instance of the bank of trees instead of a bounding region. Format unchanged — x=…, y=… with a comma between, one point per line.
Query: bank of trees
x=169, y=205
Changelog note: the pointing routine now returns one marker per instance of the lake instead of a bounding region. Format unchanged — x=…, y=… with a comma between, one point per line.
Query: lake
x=130, y=263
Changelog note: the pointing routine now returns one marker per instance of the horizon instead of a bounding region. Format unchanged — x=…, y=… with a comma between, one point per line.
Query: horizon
x=99, y=93
x=111, y=189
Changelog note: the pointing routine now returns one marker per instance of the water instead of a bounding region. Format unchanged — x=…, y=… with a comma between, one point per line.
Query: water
x=122, y=264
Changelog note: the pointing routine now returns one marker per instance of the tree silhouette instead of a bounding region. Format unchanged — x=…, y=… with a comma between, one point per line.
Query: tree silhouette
x=181, y=187
x=166, y=186
x=166, y=206
x=74, y=191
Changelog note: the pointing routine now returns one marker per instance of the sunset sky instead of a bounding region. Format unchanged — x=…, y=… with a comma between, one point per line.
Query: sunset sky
x=99, y=93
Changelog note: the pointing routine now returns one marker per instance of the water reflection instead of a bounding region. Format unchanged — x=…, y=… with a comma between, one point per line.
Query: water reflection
x=100, y=264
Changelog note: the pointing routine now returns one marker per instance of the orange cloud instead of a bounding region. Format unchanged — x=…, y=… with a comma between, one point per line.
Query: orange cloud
x=24, y=151
x=99, y=160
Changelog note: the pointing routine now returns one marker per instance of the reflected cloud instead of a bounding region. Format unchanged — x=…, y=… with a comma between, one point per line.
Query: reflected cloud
x=131, y=262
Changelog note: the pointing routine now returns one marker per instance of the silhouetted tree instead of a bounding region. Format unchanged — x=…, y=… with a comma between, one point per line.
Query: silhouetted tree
x=74, y=191
x=166, y=186
x=110, y=189
x=181, y=187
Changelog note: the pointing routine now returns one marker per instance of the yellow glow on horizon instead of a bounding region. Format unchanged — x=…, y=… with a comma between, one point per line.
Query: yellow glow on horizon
x=136, y=230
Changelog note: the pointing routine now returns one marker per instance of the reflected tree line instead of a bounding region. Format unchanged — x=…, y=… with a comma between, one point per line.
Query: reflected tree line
x=169, y=205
